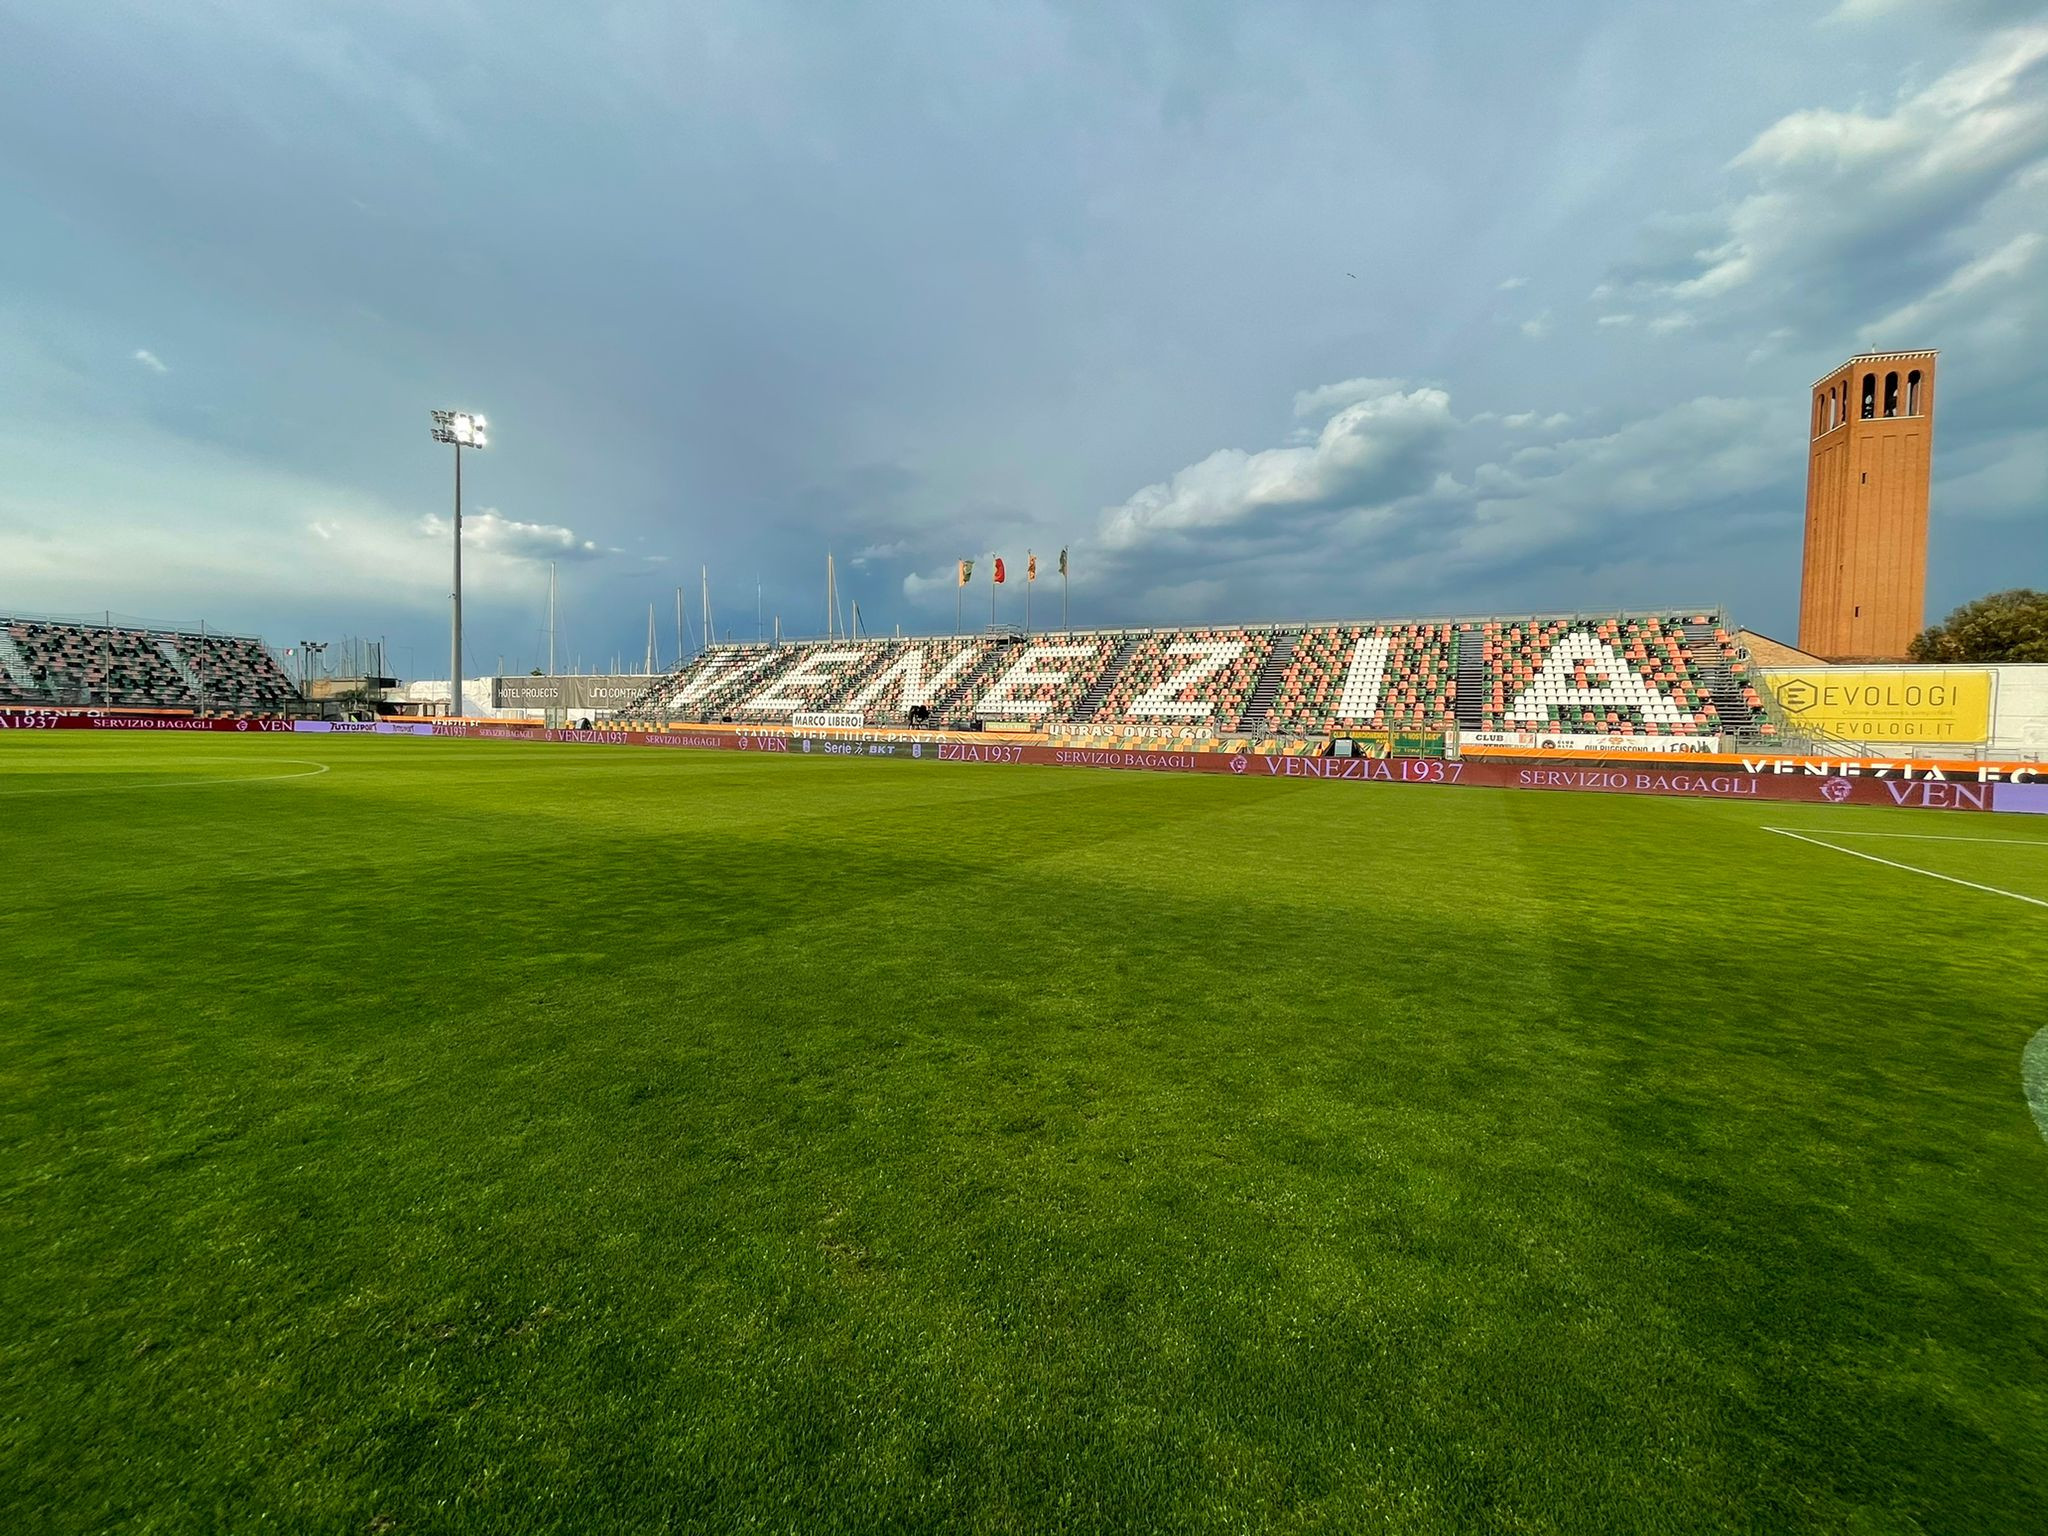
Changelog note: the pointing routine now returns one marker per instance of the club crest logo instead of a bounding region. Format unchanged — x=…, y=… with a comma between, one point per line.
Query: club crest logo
x=1836, y=790
x=1239, y=763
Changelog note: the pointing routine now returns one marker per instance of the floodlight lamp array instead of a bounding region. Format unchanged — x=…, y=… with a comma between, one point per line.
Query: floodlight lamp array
x=460, y=428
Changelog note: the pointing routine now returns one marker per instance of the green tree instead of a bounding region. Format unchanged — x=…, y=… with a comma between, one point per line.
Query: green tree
x=2006, y=626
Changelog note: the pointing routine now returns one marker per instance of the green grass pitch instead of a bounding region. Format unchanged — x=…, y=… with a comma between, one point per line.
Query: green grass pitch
x=500, y=1138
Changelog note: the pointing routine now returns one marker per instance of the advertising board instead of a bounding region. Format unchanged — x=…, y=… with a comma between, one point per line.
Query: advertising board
x=1931, y=706
x=1703, y=781
x=563, y=692
x=2027, y=799
x=1481, y=743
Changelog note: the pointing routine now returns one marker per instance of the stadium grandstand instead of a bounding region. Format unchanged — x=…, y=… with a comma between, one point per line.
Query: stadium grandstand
x=111, y=666
x=1656, y=675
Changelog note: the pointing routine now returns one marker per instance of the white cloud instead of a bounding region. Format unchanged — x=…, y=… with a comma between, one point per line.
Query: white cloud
x=927, y=587
x=2008, y=270
x=1840, y=210
x=1619, y=488
x=1615, y=320
x=83, y=529
x=1380, y=495
x=1677, y=320
x=1321, y=401
x=149, y=360
x=893, y=549
x=1372, y=452
x=1510, y=284
x=1537, y=327
x=491, y=533
x=1966, y=11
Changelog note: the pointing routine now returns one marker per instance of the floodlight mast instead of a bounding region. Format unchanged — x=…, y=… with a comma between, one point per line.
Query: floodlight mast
x=462, y=430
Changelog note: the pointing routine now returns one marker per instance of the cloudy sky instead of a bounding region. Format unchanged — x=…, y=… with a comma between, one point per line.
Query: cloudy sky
x=1273, y=310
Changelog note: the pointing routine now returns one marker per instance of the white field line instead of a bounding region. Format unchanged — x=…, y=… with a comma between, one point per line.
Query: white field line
x=1914, y=869
x=1922, y=837
x=311, y=769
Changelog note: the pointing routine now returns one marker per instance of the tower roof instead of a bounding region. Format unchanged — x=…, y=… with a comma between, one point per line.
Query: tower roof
x=1873, y=357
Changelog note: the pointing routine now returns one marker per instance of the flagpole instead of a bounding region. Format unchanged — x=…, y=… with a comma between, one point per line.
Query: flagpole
x=1029, y=568
x=959, y=586
x=992, y=593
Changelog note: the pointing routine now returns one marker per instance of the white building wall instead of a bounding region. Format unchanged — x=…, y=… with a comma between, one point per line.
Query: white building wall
x=2019, y=712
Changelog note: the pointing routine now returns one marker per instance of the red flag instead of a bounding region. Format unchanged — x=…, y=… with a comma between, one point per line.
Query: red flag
x=999, y=570
x=1031, y=569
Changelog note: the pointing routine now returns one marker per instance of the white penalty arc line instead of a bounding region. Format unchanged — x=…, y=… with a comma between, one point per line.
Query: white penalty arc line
x=2034, y=1080
x=312, y=769
x=1913, y=869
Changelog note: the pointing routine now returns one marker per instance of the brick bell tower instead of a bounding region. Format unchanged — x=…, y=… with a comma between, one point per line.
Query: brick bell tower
x=1863, y=588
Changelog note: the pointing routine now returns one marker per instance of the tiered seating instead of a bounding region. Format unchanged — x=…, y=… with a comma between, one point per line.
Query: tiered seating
x=1367, y=677
x=1025, y=686
x=1555, y=675
x=1188, y=675
x=235, y=672
x=885, y=686
x=709, y=686
x=80, y=664
x=954, y=704
x=117, y=667
x=1601, y=676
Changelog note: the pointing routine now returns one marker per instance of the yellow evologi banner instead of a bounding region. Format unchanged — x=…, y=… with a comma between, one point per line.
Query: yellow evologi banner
x=1938, y=706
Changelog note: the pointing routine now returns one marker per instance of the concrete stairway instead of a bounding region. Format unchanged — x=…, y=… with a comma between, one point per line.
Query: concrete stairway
x=1267, y=688
x=1737, y=717
x=1472, y=689
x=1091, y=701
